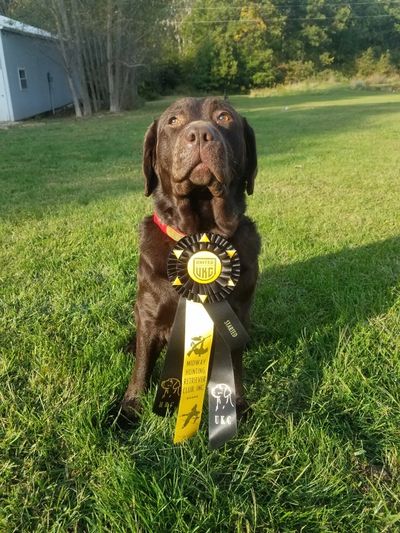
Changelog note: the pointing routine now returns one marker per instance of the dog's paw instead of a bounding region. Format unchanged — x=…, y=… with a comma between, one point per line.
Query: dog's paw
x=128, y=413
x=243, y=409
x=130, y=347
x=131, y=407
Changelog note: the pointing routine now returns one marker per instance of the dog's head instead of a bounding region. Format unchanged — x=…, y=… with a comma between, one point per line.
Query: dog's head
x=199, y=144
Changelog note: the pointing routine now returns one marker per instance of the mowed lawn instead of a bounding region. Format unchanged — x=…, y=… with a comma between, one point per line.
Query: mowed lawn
x=321, y=450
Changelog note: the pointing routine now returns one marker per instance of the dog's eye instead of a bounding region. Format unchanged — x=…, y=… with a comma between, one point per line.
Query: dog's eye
x=224, y=116
x=172, y=121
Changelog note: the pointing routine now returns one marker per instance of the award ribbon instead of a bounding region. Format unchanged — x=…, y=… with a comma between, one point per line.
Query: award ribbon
x=203, y=268
x=199, y=332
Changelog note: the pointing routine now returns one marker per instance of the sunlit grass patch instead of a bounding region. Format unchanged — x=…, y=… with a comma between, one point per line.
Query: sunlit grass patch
x=320, y=451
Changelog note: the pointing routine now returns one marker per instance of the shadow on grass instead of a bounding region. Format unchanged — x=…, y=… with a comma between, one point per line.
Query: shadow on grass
x=301, y=310
x=340, y=288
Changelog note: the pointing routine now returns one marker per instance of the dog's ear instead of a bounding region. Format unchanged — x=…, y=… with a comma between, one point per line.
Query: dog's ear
x=149, y=154
x=251, y=156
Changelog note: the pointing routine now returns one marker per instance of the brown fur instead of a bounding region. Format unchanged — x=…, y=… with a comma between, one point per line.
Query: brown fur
x=199, y=158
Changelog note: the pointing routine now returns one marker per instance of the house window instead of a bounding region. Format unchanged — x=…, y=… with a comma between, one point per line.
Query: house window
x=23, y=83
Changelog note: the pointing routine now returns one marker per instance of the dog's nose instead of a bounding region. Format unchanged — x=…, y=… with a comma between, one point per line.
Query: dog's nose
x=199, y=133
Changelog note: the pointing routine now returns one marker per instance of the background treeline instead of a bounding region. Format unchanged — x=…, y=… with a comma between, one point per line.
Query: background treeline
x=124, y=49
x=242, y=45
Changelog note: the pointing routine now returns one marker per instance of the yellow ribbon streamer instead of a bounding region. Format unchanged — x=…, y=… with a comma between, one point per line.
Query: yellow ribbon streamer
x=199, y=331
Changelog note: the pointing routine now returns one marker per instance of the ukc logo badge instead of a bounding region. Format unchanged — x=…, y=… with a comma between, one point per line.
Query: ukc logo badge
x=204, y=267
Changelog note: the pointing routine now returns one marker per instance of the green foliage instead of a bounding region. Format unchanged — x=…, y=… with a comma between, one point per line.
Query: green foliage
x=228, y=44
x=198, y=67
x=369, y=64
x=212, y=45
x=224, y=64
x=162, y=78
x=366, y=63
x=299, y=71
x=384, y=65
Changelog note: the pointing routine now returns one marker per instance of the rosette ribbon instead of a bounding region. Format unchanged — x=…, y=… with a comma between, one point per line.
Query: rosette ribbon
x=204, y=269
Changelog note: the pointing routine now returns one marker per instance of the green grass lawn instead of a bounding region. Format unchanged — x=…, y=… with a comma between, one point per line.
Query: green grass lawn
x=321, y=451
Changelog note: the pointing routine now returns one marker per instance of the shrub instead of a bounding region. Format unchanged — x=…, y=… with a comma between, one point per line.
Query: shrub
x=368, y=64
x=298, y=71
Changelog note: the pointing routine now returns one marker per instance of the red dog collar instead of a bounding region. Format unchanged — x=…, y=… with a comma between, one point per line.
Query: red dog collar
x=173, y=233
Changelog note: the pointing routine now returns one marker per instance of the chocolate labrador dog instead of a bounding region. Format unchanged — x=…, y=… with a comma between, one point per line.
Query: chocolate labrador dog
x=199, y=159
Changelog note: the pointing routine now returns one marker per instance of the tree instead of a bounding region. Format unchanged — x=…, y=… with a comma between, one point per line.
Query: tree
x=111, y=48
x=257, y=36
x=103, y=43
x=133, y=30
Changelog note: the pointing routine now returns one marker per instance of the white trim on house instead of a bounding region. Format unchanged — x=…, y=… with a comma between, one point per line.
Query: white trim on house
x=19, y=27
x=7, y=97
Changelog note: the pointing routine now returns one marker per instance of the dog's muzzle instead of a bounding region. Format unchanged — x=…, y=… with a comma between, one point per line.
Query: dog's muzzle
x=201, y=159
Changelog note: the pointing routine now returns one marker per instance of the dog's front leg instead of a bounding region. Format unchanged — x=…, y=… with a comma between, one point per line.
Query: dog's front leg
x=148, y=347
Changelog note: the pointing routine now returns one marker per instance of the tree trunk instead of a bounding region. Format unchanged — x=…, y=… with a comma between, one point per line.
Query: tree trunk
x=79, y=51
x=90, y=64
x=58, y=11
x=110, y=57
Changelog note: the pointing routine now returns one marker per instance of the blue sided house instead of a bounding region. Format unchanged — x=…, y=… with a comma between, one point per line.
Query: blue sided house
x=32, y=75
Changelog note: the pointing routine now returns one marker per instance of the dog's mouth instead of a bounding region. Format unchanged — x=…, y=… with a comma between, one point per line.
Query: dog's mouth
x=201, y=176
x=200, y=172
